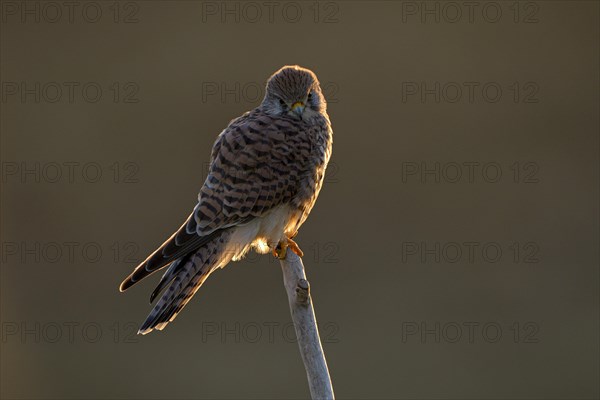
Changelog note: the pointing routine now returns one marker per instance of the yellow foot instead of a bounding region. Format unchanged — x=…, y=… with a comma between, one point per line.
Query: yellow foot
x=281, y=250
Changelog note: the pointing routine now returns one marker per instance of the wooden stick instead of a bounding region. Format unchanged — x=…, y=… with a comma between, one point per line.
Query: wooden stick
x=305, y=323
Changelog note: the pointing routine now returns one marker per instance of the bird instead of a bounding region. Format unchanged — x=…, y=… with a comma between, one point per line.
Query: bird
x=266, y=170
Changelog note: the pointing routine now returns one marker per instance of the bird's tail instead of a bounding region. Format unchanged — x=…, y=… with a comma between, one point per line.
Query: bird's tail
x=183, y=278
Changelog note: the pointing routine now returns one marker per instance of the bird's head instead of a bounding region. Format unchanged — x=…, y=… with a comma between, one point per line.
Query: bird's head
x=294, y=91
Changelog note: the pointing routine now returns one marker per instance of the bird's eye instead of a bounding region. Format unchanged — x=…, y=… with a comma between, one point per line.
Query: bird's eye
x=281, y=102
x=310, y=95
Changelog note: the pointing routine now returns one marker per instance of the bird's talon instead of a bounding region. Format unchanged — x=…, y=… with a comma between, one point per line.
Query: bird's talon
x=294, y=246
x=280, y=251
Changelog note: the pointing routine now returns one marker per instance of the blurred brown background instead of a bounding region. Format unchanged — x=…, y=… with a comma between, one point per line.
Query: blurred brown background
x=426, y=283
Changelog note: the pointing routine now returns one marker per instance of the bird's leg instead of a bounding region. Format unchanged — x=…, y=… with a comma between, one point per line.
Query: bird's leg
x=281, y=249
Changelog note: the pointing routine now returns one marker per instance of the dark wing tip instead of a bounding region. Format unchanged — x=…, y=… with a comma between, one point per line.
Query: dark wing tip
x=142, y=271
x=126, y=284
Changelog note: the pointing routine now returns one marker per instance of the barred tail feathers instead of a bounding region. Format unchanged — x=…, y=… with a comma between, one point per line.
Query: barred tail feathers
x=184, y=277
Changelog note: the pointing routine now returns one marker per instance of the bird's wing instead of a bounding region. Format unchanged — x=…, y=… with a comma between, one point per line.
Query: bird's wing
x=256, y=164
x=255, y=167
x=181, y=243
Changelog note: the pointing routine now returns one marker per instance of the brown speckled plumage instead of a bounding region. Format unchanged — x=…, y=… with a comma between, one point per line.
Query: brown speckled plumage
x=267, y=168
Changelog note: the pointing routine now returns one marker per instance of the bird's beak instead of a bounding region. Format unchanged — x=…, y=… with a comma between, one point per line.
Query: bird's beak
x=298, y=107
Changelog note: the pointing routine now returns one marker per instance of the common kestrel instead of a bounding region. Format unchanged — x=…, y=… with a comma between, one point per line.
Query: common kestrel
x=266, y=171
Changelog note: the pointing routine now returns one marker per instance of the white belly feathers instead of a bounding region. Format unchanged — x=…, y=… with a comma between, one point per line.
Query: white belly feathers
x=262, y=233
